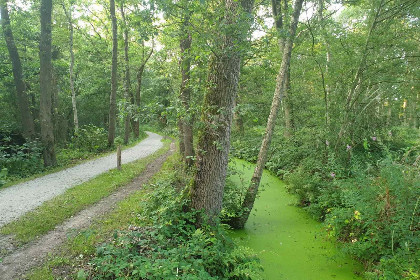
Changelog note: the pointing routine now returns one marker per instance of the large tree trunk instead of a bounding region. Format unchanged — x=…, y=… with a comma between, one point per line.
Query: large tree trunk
x=214, y=141
x=127, y=83
x=113, y=96
x=248, y=203
x=47, y=131
x=28, y=127
x=185, y=92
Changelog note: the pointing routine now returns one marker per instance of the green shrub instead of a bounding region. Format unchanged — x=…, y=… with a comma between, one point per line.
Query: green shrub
x=170, y=246
x=367, y=195
x=3, y=176
x=234, y=195
x=378, y=218
x=21, y=160
x=90, y=138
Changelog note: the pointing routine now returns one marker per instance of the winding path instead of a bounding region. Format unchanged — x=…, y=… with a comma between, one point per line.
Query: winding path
x=21, y=198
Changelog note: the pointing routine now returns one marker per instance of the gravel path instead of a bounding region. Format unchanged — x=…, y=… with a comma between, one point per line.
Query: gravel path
x=20, y=261
x=21, y=198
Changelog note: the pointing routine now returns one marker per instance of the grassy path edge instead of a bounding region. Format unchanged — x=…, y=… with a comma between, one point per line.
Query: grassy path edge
x=34, y=224
x=23, y=259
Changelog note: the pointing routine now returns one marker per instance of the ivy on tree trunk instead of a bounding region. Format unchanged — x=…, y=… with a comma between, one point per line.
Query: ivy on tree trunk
x=214, y=138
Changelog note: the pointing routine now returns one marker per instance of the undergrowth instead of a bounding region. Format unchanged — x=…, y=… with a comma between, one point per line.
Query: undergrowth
x=156, y=238
x=367, y=193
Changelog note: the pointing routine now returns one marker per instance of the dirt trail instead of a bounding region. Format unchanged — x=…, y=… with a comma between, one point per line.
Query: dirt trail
x=22, y=260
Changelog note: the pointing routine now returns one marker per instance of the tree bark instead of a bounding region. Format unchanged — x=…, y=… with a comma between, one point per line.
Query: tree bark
x=214, y=140
x=136, y=123
x=112, y=118
x=127, y=83
x=280, y=18
x=55, y=104
x=185, y=92
x=47, y=130
x=113, y=96
x=71, y=68
x=145, y=59
x=248, y=203
x=27, y=121
x=288, y=107
x=181, y=137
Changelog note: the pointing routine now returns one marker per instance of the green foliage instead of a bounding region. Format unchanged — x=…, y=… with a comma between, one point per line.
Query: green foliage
x=377, y=217
x=171, y=247
x=3, y=175
x=90, y=138
x=234, y=193
x=21, y=160
x=284, y=154
x=367, y=195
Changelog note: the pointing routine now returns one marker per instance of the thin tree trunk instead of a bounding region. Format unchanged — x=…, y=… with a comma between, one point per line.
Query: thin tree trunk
x=416, y=110
x=185, y=92
x=248, y=203
x=237, y=117
x=73, y=92
x=127, y=79
x=113, y=96
x=136, y=123
x=28, y=127
x=214, y=141
x=181, y=137
x=354, y=91
x=288, y=111
x=54, y=107
x=145, y=59
x=71, y=68
x=325, y=85
x=280, y=17
x=47, y=130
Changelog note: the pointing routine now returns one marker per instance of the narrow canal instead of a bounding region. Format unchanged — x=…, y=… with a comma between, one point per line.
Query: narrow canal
x=290, y=244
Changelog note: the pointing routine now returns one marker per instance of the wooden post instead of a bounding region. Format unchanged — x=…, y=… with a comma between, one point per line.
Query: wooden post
x=119, y=157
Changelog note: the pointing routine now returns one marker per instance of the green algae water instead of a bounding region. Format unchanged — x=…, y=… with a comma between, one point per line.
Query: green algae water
x=290, y=244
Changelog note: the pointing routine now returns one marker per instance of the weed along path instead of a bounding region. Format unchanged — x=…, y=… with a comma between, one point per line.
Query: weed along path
x=21, y=198
x=290, y=244
x=21, y=260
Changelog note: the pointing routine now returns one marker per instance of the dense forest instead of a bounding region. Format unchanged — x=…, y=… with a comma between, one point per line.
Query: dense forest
x=324, y=94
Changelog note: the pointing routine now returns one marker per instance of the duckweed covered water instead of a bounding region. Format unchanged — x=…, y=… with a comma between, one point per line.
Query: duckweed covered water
x=290, y=244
